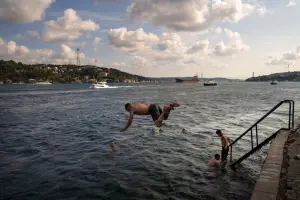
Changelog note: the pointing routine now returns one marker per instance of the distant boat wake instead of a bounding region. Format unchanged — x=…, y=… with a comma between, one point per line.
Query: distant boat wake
x=111, y=87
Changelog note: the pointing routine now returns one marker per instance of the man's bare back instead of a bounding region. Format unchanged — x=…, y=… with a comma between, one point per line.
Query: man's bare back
x=158, y=115
x=140, y=109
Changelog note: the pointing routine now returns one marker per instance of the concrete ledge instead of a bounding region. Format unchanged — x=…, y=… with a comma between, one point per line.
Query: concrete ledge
x=266, y=187
x=263, y=196
x=297, y=121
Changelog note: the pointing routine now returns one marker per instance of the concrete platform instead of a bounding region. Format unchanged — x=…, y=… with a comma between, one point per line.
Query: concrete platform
x=266, y=187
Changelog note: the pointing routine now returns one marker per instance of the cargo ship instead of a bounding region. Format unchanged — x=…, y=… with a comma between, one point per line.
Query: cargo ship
x=193, y=80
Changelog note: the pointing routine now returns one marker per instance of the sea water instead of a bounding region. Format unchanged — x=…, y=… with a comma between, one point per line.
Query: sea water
x=55, y=139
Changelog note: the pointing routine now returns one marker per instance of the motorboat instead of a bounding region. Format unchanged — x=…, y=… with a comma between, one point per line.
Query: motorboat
x=210, y=83
x=99, y=85
x=274, y=82
x=43, y=83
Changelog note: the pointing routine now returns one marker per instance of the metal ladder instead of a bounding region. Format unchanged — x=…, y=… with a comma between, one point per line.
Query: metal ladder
x=255, y=145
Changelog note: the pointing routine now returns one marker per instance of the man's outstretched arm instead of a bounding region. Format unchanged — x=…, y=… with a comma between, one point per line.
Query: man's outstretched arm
x=129, y=122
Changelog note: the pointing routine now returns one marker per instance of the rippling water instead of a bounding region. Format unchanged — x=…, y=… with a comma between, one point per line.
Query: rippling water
x=54, y=141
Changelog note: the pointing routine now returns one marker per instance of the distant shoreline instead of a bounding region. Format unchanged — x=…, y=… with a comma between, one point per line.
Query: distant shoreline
x=280, y=77
x=13, y=72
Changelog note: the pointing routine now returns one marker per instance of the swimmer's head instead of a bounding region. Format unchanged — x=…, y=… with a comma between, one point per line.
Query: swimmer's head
x=128, y=107
x=219, y=132
x=217, y=156
x=112, y=144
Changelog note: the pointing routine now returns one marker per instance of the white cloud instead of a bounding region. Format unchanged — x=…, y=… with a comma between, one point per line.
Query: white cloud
x=23, y=11
x=170, y=51
x=11, y=51
x=97, y=40
x=199, y=46
x=109, y=1
x=1, y=41
x=27, y=34
x=136, y=65
x=280, y=61
x=20, y=36
x=96, y=43
x=231, y=10
x=291, y=4
x=168, y=48
x=194, y=60
x=119, y=65
x=191, y=15
x=107, y=16
x=76, y=44
x=140, y=61
x=130, y=41
x=218, y=30
x=234, y=46
x=67, y=28
x=262, y=10
x=137, y=62
x=169, y=41
x=148, y=50
x=177, y=15
x=21, y=53
x=33, y=33
x=232, y=35
x=285, y=58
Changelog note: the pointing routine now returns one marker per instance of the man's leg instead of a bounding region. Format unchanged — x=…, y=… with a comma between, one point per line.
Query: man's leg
x=224, y=154
x=165, y=114
x=155, y=112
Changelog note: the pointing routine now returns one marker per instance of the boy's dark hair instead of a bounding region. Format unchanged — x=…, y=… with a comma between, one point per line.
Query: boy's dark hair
x=127, y=105
x=218, y=132
x=217, y=156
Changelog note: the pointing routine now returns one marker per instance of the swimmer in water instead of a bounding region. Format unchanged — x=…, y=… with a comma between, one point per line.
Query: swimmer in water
x=114, y=147
x=158, y=115
x=214, y=161
x=225, y=141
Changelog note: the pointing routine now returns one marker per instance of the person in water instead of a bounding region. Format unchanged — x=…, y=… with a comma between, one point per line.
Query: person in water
x=225, y=141
x=158, y=115
x=114, y=147
x=214, y=161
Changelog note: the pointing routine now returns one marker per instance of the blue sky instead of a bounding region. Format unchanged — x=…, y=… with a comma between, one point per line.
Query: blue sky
x=229, y=38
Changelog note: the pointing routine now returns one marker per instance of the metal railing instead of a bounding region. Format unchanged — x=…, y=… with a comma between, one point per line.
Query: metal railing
x=254, y=126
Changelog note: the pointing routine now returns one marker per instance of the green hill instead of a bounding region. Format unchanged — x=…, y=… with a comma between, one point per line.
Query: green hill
x=13, y=72
x=285, y=76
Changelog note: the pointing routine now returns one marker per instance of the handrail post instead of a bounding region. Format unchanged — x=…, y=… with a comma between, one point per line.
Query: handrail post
x=231, y=153
x=256, y=135
x=290, y=105
x=261, y=119
x=258, y=146
x=293, y=114
x=251, y=139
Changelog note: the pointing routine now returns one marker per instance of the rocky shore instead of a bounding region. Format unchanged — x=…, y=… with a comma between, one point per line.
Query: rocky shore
x=289, y=185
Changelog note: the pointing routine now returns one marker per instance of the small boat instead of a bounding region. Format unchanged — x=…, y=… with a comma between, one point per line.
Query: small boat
x=195, y=79
x=274, y=82
x=99, y=85
x=210, y=83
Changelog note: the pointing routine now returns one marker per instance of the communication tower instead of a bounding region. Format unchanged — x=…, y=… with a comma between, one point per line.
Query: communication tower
x=78, y=58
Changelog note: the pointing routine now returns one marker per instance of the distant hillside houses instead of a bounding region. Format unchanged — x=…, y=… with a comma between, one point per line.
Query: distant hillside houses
x=13, y=72
x=285, y=76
